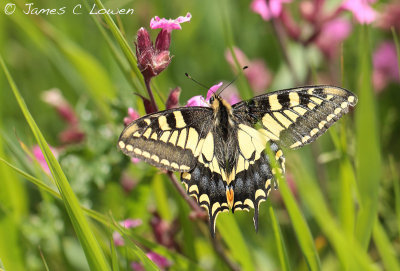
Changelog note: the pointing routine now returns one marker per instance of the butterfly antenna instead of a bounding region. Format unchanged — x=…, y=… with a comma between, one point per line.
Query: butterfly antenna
x=230, y=83
x=197, y=82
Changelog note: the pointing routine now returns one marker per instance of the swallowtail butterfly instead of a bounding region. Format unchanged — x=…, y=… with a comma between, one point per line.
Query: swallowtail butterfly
x=219, y=150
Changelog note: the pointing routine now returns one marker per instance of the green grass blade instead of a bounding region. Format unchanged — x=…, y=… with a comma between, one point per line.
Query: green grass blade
x=300, y=226
x=280, y=243
x=94, y=255
x=233, y=238
x=114, y=257
x=126, y=49
x=385, y=248
x=368, y=154
x=135, y=82
x=396, y=185
x=350, y=253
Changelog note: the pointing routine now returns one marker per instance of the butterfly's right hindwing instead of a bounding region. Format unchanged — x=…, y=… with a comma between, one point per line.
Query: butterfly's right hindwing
x=168, y=139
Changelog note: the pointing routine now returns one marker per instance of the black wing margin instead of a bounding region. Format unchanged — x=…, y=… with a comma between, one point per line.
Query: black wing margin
x=167, y=139
x=295, y=117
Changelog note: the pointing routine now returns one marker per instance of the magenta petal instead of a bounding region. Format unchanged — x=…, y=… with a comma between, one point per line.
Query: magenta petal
x=213, y=90
x=197, y=101
x=170, y=24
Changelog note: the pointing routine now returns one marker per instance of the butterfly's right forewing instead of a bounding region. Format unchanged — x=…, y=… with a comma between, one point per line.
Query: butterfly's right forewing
x=168, y=139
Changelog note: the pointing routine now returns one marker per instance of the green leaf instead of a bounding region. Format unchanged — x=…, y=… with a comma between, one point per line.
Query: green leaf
x=233, y=238
x=385, y=248
x=129, y=55
x=280, y=243
x=94, y=255
x=368, y=147
x=303, y=232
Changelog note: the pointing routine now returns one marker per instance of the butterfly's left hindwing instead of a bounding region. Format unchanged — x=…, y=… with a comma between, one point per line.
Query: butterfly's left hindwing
x=296, y=117
x=169, y=139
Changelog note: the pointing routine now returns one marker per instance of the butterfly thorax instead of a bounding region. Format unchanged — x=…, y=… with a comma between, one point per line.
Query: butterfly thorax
x=225, y=131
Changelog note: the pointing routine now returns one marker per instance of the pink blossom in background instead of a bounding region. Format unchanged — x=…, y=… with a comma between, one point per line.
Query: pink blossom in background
x=55, y=98
x=117, y=239
x=169, y=24
x=257, y=73
x=361, y=9
x=131, y=223
x=268, y=9
x=128, y=224
x=386, y=66
x=390, y=17
x=231, y=95
x=132, y=115
x=332, y=34
x=136, y=266
x=38, y=155
x=159, y=260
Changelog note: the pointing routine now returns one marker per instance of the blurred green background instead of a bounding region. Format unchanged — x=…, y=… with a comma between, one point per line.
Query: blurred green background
x=337, y=209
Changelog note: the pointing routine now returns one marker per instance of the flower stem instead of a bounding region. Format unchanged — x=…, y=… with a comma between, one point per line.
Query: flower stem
x=221, y=252
x=193, y=205
x=150, y=92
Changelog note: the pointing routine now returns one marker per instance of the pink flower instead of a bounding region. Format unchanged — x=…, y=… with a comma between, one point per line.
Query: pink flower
x=132, y=115
x=257, y=73
x=200, y=101
x=38, y=155
x=159, y=260
x=197, y=101
x=117, y=239
x=136, y=266
x=152, y=60
x=55, y=98
x=131, y=223
x=386, y=66
x=170, y=24
x=268, y=9
x=361, y=9
x=230, y=94
x=332, y=34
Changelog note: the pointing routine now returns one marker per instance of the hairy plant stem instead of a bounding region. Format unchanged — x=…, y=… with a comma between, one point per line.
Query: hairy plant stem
x=193, y=205
x=150, y=92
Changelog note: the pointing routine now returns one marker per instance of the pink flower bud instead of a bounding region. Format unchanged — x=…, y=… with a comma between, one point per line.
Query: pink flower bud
x=173, y=98
x=163, y=41
x=132, y=115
